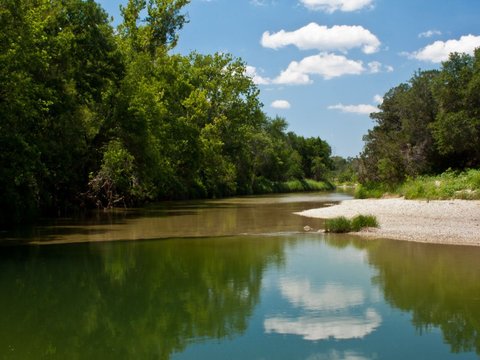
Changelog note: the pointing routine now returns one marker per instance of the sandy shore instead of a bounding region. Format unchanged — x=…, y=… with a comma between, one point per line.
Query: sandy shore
x=443, y=222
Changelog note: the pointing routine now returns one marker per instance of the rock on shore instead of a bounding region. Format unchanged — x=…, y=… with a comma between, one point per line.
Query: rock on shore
x=439, y=221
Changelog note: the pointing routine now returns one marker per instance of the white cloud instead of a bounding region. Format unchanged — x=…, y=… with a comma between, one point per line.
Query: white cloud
x=440, y=50
x=251, y=71
x=293, y=75
x=429, y=33
x=314, y=36
x=261, y=2
x=378, y=99
x=375, y=67
x=281, y=104
x=326, y=65
x=361, y=109
x=331, y=6
x=322, y=328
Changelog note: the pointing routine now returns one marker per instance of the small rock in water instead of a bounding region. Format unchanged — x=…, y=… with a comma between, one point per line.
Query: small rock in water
x=307, y=228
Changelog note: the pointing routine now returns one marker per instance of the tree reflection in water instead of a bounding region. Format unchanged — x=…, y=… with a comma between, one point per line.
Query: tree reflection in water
x=439, y=285
x=128, y=300
x=153, y=299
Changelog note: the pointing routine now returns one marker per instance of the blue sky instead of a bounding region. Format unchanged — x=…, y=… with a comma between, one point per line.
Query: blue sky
x=323, y=65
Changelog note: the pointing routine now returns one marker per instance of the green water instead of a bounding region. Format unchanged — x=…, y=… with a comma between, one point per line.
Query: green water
x=267, y=291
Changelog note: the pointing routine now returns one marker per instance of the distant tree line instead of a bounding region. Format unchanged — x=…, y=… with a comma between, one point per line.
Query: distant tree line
x=95, y=116
x=427, y=125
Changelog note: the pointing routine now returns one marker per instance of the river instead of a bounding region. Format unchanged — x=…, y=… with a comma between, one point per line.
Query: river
x=232, y=279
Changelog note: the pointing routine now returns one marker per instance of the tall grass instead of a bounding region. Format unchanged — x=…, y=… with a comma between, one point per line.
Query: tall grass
x=449, y=185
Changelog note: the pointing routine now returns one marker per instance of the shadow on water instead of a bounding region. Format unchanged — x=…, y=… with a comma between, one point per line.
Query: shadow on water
x=225, y=217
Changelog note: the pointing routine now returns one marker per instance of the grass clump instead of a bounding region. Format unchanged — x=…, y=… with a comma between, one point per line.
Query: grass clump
x=338, y=225
x=360, y=222
x=343, y=225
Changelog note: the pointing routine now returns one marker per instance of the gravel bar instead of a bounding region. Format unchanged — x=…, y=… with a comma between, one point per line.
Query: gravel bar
x=454, y=222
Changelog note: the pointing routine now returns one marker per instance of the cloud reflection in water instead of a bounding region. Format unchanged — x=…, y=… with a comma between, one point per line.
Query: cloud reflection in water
x=322, y=328
x=332, y=311
x=339, y=355
x=329, y=297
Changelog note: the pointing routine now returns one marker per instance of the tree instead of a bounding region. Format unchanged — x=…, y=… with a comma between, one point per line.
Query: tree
x=315, y=154
x=457, y=128
x=91, y=117
x=161, y=25
x=58, y=60
x=401, y=144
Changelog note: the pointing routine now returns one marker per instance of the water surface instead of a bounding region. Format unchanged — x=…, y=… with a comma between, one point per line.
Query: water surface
x=268, y=290
x=234, y=216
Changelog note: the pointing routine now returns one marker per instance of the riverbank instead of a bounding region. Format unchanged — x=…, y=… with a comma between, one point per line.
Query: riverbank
x=440, y=221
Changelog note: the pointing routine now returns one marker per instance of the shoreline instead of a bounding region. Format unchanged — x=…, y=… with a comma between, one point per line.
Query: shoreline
x=452, y=222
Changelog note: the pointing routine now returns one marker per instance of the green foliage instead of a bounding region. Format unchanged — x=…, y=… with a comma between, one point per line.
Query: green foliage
x=426, y=126
x=115, y=182
x=163, y=21
x=400, y=144
x=315, y=154
x=58, y=61
x=344, y=170
x=343, y=225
